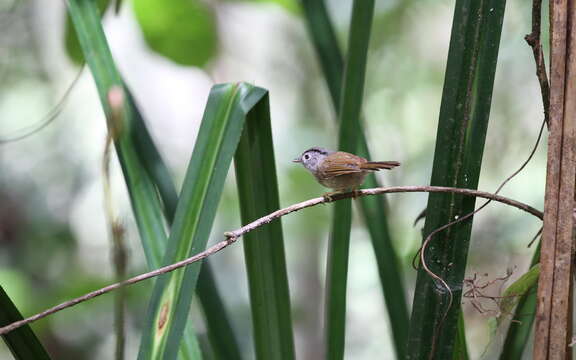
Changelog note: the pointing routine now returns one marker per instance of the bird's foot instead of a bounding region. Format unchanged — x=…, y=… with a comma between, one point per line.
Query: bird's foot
x=328, y=196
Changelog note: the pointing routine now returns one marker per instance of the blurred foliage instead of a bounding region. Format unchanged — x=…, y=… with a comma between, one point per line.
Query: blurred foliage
x=290, y=5
x=71, y=38
x=182, y=30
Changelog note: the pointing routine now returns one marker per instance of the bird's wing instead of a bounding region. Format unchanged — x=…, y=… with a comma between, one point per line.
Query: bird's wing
x=341, y=163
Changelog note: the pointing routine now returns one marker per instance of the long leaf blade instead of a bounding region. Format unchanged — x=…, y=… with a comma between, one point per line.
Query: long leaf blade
x=373, y=208
x=350, y=108
x=217, y=140
x=22, y=342
x=264, y=249
x=523, y=319
x=460, y=348
x=326, y=45
x=146, y=206
x=220, y=332
x=460, y=139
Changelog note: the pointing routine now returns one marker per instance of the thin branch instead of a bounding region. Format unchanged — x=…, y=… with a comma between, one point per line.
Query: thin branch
x=233, y=236
x=48, y=118
x=383, y=190
x=533, y=39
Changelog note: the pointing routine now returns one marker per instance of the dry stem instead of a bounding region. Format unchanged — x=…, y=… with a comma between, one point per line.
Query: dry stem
x=533, y=39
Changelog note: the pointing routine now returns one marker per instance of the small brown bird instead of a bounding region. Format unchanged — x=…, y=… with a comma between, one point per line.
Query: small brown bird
x=340, y=170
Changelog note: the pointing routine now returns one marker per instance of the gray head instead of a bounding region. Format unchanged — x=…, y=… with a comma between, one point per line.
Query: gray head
x=312, y=158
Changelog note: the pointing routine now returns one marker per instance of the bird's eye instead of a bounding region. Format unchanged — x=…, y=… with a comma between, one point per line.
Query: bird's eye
x=306, y=157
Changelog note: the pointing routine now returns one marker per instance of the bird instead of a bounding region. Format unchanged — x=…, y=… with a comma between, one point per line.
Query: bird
x=340, y=170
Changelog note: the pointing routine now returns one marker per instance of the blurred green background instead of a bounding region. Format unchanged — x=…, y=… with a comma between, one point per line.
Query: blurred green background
x=54, y=238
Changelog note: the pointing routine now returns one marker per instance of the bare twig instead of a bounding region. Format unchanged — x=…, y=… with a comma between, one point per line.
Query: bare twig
x=383, y=190
x=533, y=39
x=538, y=234
x=48, y=118
x=477, y=292
x=233, y=236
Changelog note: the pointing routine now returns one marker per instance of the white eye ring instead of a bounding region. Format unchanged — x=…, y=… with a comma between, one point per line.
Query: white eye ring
x=306, y=157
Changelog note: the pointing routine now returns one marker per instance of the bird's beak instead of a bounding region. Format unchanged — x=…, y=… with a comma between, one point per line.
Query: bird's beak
x=297, y=160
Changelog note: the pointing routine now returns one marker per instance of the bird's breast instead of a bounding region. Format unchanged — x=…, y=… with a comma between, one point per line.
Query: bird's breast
x=343, y=182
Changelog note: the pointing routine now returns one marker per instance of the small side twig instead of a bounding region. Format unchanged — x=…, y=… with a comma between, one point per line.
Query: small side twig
x=533, y=39
x=476, y=293
x=233, y=236
x=48, y=118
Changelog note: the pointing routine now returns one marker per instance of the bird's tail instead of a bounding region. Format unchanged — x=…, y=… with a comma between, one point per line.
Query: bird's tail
x=377, y=165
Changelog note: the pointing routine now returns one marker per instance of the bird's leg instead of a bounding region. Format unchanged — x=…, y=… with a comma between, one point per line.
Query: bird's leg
x=355, y=193
x=328, y=196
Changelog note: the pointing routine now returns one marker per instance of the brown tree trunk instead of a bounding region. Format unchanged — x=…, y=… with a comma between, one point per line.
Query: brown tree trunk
x=553, y=323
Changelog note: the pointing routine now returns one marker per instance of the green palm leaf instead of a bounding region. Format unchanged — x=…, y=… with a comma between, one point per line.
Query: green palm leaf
x=350, y=108
x=264, y=248
x=22, y=342
x=218, y=137
x=464, y=115
x=130, y=140
x=373, y=209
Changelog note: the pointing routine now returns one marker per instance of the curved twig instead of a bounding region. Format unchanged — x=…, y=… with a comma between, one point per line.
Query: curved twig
x=421, y=252
x=233, y=236
x=48, y=118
